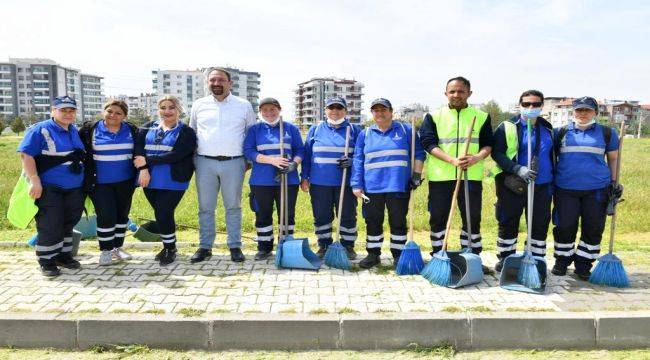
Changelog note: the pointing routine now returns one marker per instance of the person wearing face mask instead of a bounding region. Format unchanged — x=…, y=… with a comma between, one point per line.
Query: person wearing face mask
x=443, y=134
x=164, y=151
x=510, y=152
x=322, y=169
x=52, y=158
x=583, y=184
x=262, y=148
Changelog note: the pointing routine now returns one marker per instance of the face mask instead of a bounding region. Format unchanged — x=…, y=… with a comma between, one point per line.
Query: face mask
x=272, y=122
x=335, y=122
x=530, y=113
x=584, y=125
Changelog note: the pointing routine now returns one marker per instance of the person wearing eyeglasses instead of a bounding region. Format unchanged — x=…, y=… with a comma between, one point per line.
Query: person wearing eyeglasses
x=321, y=173
x=164, y=158
x=110, y=176
x=510, y=152
x=262, y=148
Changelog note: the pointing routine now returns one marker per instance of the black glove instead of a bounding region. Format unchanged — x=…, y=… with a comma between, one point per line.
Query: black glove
x=527, y=174
x=344, y=162
x=415, y=181
x=289, y=168
x=615, y=192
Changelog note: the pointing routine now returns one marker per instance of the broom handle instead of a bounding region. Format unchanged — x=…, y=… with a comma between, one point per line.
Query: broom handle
x=468, y=216
x=457, y=187
x=410, y=235
x=617, y=181
x=342, y=191
x=282, y=180
x=531, y=188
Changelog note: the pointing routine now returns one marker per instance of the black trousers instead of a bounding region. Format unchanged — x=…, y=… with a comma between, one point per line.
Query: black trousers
x=324, y=204
x=586, y=208
x=112, y=205
x=440, y=196
x=397, y=204
x=59, y=210
x=164, y=203
x=261, y=200
x=508, y=210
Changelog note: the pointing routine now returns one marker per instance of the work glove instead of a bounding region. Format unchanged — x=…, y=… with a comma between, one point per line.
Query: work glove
x=615, y=193
x=289, y=168
x=527, y=174
x=415, y=181
x=344, y=162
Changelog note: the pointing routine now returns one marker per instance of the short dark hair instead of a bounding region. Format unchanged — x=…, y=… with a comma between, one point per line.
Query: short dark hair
x=531, y=93
x=220, y=70
x=461, y=79
x=119, y=103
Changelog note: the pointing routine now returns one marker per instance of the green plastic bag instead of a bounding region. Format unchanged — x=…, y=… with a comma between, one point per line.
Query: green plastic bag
x=21, y=209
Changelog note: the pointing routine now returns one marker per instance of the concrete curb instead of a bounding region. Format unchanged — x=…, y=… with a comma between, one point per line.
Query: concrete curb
x=304, y=332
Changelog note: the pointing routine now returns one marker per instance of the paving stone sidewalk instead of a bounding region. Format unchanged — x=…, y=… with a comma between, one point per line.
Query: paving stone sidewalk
x=221, y=286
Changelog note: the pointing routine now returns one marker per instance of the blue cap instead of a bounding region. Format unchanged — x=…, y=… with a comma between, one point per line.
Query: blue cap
x=383, y=102
x=61, y=102
x=585, y=102
x=336, y=100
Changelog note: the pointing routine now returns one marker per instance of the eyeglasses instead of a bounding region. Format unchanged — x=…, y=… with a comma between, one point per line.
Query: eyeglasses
x=335, y=107
x=533, y=104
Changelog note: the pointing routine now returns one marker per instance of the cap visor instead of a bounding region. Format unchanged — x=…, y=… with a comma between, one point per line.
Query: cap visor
x=583, y=106
x=64, y=106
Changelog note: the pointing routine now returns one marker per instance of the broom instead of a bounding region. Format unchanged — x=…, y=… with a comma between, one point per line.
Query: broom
x=528, y=275
x=410, y=261
x=283, y=179
x=336, y=256
x=609, y=270
x=438, y=270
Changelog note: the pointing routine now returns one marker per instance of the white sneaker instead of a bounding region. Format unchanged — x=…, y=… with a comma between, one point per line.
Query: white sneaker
x=106, y=258
x=121, y=254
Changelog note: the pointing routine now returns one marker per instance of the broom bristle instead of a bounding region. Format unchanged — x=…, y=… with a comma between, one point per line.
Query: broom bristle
x=528, y=275
x=609, y=271
x=438, y=270
x=336, y=257
x=410, y=261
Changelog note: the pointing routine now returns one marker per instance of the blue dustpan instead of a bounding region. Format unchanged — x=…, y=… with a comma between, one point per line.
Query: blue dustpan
x=296, y=254
x=87, y=226
x=466, y=268
x=511, y=265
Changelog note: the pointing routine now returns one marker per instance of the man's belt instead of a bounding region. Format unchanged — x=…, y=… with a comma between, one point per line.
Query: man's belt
x=222, y=158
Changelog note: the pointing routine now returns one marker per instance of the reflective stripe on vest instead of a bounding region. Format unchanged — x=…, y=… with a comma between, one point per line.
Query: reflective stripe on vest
x=582, y=149
x=452, y=130
x=512, y=143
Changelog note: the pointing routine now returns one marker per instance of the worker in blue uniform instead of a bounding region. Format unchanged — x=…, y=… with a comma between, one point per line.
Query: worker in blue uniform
x=262, y=149
x=52, y=159
x=584, y=183
x=321, y=174
x=381, y=176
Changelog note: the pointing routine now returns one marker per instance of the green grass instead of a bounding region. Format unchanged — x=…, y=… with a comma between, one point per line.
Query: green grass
x=632, y=227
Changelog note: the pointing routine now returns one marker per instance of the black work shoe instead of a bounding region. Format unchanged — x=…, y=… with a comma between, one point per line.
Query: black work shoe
x=369, y=261
x=262, y=255
x=487, y=270
x=167, y=256
x=582, y=274
x=159, y=255
x=67, y=262
x=558, y=270
x=236, y=255
x=349, y=250
x=321, y=251
x=50, y=270
x=499, y=266
x=201, y=255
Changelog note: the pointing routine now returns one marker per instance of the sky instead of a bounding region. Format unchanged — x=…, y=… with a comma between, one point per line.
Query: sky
x=401, y=50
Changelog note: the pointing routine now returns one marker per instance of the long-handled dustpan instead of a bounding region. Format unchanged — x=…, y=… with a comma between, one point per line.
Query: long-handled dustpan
x=514, y=265
x=292, y=253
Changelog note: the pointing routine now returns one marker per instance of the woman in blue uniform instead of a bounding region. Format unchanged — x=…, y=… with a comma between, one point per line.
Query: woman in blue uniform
x=584, y=183
x=262, y=148
x=110, y=176
x=381, y=173
x=321, y=173
x=52, y=159
x=164, y=152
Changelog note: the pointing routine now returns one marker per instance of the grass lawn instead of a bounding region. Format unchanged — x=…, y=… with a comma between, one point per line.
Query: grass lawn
x=633, y=228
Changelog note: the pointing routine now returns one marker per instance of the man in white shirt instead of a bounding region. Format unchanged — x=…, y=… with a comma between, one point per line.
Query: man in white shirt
x=220, y=121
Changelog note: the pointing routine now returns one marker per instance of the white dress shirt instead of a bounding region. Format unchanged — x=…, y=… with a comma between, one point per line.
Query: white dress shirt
x=221, y=125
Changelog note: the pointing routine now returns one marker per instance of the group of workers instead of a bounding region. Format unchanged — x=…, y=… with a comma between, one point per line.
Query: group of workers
x=572, y=168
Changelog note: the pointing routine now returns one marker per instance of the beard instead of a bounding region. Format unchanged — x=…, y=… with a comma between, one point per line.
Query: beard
x=217, y=90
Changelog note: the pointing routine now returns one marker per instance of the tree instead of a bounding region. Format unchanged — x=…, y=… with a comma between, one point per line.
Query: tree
x=496, y=114
x=3, y=123
x=139, y=116
x=18, y=126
